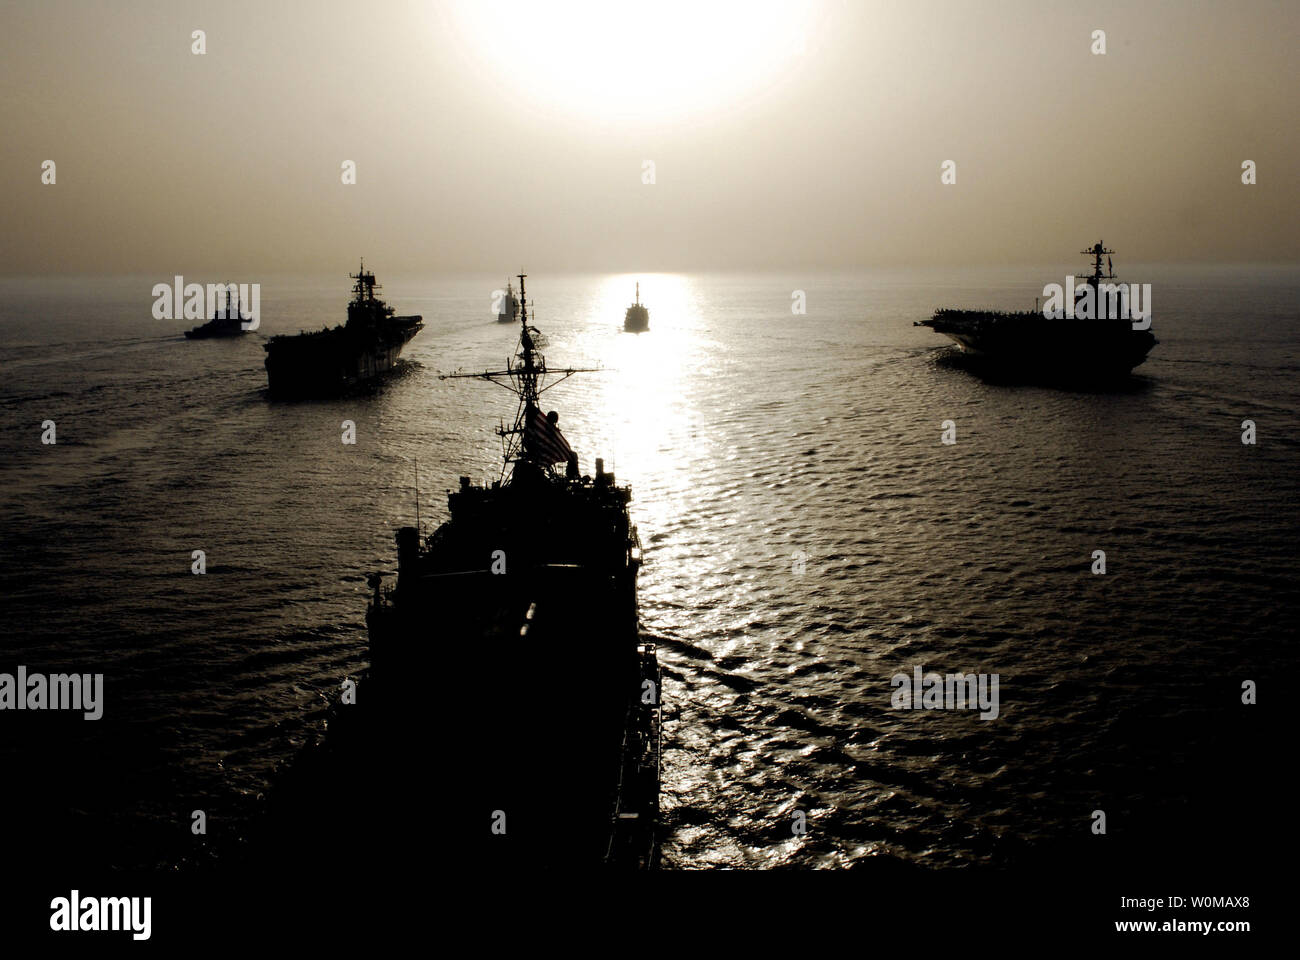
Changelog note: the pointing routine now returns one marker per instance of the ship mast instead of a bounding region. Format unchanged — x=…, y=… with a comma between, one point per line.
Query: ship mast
x=365, y=286
x=528, y=353
x=526, y=377
x=1097, y=252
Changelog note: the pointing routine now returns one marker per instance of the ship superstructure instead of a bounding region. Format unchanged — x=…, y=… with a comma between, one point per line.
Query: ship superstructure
x=528, y=591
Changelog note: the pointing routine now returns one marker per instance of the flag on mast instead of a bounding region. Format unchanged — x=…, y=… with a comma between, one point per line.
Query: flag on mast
x=543, y=439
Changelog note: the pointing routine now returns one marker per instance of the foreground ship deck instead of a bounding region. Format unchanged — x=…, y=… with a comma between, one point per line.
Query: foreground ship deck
x=528, y=592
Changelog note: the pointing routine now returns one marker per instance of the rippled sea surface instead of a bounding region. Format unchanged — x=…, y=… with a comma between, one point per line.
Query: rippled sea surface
x=807, y=536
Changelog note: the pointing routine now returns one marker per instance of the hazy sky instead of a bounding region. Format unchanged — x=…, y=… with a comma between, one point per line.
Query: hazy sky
x=490, y=136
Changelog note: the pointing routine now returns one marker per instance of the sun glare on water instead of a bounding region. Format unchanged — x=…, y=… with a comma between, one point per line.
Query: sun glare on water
x=643, y=396
x=651, y=60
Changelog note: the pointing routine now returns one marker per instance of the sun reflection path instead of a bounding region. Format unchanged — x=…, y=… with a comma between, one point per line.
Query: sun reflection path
x=645, y=413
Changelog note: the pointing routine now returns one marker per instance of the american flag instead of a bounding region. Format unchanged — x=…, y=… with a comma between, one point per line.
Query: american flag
x=544, y=441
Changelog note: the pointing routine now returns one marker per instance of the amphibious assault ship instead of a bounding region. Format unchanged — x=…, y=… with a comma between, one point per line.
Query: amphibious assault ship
x=525, y=599
x=326, y=362
x=224, y=323
x=637, y=318
x=1099, y=343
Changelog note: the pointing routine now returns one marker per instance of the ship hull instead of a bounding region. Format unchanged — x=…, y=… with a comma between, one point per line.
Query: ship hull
x=527, y=597
x=1031, y=347
x=545, y=751
x=544, y=721
x=334, y=361
x=209, y=332
x=637, y=320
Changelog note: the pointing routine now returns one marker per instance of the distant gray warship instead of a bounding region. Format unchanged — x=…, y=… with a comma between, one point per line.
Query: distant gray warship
x=327, y=362
x=1030, y=345
x=227, y=323
x=509, y=306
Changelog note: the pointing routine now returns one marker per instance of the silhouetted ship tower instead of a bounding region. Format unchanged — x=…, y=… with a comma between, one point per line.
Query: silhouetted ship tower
x=637, y=318
x=529, y=593
x=1029, y=344
x=327, y=362
x=227, y=323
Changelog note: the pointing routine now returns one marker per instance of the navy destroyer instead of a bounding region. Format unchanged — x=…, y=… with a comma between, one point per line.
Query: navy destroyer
x=330, y=361
x=524, y=605
x=224, y=323
x=1097, y=343
x=637, y=318
x=509, y=311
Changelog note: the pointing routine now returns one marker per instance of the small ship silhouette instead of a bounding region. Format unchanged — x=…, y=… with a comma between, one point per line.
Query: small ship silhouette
x=637, y=318
x=229, y=325
x=509, y=312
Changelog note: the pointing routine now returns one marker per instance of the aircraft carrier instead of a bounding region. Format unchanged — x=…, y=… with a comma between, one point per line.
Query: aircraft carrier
x=1029, y=345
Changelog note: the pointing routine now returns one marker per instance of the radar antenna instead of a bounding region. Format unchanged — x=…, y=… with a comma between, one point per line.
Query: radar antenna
x=1098, y=251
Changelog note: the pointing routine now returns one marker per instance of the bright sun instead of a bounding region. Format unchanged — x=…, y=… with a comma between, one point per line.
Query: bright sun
x=657, y=59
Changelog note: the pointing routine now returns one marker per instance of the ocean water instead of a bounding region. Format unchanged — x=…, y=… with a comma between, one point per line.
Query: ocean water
x=807, y=536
